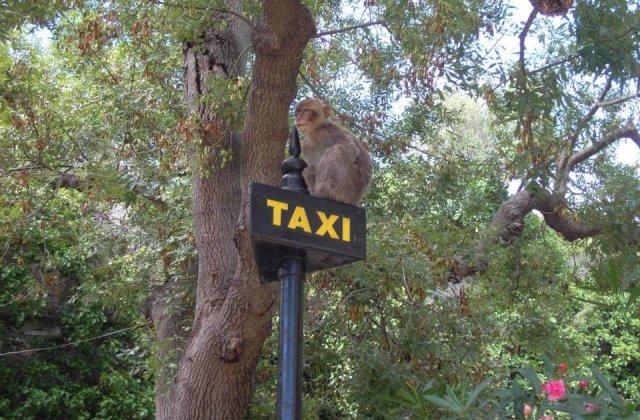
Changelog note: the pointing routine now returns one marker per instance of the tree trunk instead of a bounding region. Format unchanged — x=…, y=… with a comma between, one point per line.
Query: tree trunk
x=171, y=335
x=233, y=310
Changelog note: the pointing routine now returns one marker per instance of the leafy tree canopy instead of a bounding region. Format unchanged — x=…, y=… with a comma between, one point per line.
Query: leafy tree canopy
x=124, y=139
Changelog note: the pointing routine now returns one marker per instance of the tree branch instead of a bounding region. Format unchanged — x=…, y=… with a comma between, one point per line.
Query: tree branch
x=509, y=220
x=554, y=63
x=348, y=28
x=523, y=36
x=311, y=86
x=554, y=211
x=563, y=160
x=630, y=131
x=589, y=115
x=610, y=102
x=508, y=223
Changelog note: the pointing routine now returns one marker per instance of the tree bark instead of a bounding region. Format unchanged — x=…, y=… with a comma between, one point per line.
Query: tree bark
x=171, y=335
x=508, y=223
x=509, y=220
x=233, y=310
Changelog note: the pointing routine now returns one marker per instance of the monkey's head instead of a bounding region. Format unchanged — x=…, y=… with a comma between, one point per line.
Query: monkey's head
x=309, y=114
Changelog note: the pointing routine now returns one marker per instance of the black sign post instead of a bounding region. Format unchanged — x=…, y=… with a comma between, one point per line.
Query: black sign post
x=291, y=275
x=293, y=233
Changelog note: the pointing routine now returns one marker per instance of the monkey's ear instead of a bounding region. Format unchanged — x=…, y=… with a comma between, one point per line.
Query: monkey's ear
x=326, y=110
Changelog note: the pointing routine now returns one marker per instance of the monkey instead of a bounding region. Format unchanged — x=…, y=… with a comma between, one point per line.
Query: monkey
x=339, y=165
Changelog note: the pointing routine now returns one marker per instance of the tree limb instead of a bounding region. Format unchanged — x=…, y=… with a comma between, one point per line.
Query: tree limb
x=563, y=160
x=75, y=343
x=509, y=220
x=348, y=28
x=589, y=115
x=24, y=168
x=555, y=214
x=630, y=131
x=610, y=102
x=523, y=36
x=553, y=64
x=311, y=86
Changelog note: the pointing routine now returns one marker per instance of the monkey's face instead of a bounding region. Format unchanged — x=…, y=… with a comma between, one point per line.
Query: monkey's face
x=309, y=114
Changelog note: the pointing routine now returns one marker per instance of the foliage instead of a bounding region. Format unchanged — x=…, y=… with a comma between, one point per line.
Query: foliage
x=96, y=217
x=91, y=381
x=47, y=282
x=525, y=396
x=74, y=264
x=378, y=345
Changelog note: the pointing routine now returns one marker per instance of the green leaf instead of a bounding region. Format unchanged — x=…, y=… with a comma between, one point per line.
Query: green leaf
x=634, y=294
x=549, y=366
x=475, y=393
x=607, y=387
x=530, y=375
x=443, y=403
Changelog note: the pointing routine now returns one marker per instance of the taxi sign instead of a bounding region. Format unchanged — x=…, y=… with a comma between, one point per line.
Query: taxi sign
x=331, y=233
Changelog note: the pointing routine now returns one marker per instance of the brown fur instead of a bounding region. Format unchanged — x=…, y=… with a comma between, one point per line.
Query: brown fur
x=340, y=167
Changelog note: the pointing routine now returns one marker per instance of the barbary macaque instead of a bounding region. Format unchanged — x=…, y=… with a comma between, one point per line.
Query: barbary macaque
x=339, y=165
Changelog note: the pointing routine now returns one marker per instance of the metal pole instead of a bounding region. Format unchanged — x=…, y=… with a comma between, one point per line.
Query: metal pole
x=291, y=274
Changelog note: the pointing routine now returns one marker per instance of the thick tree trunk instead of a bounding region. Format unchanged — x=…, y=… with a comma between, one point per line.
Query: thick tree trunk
x=216, y=203
x=171, y=335
x=233, y=310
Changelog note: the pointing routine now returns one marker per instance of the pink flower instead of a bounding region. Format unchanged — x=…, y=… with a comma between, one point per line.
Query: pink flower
x=555, y=390
x=546, y=418
x=563, y=367
x=583, y=384
x=527, y=410
x=590, y=408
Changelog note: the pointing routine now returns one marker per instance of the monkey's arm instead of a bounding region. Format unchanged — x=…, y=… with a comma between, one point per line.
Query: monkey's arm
x=352, y=149
x=309, y=176
x=347, y=141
